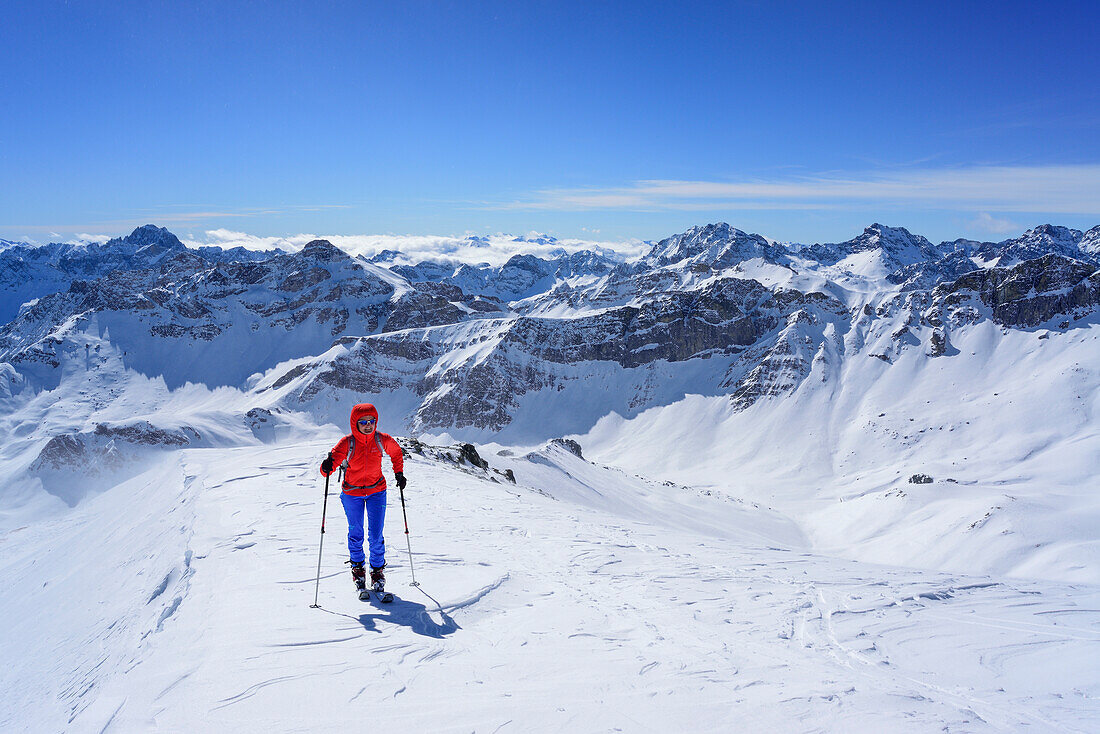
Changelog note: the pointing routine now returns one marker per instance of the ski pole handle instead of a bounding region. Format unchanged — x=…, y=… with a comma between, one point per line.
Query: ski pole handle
x=403, y=513
x=324, y=506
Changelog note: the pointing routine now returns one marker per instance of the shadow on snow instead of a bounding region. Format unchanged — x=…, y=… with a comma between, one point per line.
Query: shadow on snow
x=407, y=613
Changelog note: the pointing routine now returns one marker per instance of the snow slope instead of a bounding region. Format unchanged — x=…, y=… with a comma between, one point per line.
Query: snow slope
x=1008, y=428
x=180, y=601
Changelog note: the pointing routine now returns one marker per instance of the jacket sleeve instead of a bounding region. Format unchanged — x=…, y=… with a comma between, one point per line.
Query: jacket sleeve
x=339, y=451
x=394, y=450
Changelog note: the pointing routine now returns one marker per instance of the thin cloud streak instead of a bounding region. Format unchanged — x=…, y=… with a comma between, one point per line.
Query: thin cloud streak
x=1073, y=189
x=988, y=223
x=161, y=218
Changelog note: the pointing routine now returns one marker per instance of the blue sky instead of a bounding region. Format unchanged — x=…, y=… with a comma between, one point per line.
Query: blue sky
x=609, y=120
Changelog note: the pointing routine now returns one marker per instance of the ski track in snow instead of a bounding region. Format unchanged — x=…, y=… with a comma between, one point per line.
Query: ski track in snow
x=533, y=614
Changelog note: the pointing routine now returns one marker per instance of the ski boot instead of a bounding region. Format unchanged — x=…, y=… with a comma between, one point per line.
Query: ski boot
x=378, y=579
x=378, y=583
x=359, y=576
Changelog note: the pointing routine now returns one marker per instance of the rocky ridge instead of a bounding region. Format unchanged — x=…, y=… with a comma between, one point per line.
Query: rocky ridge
x=467, y=348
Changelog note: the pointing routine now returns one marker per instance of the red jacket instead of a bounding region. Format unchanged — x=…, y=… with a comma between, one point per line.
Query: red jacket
x=364, y=474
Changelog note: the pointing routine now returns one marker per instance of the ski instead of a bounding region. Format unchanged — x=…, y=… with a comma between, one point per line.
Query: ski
x=384, y=596
x=364, y=594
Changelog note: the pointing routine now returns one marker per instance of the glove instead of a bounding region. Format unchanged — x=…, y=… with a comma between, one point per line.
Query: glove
x=326, y=465
x=401, y=481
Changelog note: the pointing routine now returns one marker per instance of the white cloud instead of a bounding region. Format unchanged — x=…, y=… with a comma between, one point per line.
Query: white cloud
x=1071, y=189
x=81, y=238
x=988, y=223
x=492, y=249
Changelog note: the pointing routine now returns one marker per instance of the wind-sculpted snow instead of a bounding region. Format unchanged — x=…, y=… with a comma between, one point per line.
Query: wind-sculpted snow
x=590, y=599
x=72, y=466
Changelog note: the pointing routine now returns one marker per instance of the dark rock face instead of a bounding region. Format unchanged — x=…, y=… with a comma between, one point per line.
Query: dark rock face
x=1034, y=291
x=1090, y=243
x=34, y=272
x=937, y=343
x=152, y=236
x=323, y=251
x=517, y=356
x=301, y=279
x=482, y=396
x=924, y=275
x=61, y=451
x=434, y=304
x=674, y=327
x=584, y=262
x=424, y=272
x=468, y=454
x=892, y=239
x=777, y=364
x=262, y=423
x=72, y=465
x=145, y=434
x=569, y=445
x=520, y=277
x=920, y=479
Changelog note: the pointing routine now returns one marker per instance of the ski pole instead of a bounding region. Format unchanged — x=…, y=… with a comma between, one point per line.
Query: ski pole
x=324, y=511
x=407, y=543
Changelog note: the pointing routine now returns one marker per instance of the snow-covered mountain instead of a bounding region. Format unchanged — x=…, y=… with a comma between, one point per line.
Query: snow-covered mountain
x=520, y=277
x=28, y=272
x=724, y=398
x=879, y=248
x=716, y=246
x=1089, y=243
x=539, y=348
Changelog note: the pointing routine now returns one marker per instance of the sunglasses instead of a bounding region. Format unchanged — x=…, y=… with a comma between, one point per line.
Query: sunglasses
x=368, y=421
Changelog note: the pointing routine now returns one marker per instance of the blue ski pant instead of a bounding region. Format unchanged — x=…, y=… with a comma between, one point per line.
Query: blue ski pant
x=374, y=506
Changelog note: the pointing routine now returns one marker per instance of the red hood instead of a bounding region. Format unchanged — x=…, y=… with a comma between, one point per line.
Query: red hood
x=360, y=411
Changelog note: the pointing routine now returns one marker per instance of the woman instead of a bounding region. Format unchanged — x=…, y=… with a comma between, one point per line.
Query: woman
x=364, y=491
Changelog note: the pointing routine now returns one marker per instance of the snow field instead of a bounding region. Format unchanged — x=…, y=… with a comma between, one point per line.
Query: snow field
x=1007, y=428
x=580, y=598
x=85, y=596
